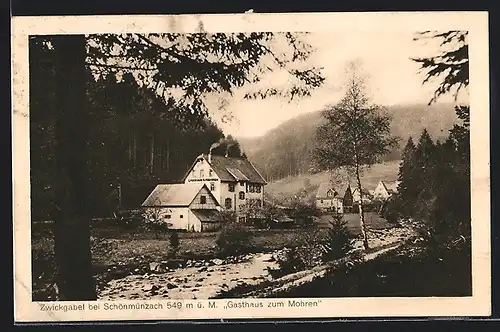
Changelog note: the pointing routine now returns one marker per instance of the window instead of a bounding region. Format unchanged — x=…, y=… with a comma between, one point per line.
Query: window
x=231, y=187
x=212, y=186
x=242, y=195
x=321, y=201
x=259, y=203
x=210, y=172
x=203, y=199
x=182, y=216
x=252, y=188
x=167, y=216
x=228, y=203
x=242, y=183
x=257, y=188
x=202, y=173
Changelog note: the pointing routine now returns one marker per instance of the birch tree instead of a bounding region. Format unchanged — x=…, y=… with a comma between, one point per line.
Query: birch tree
x=355, y=135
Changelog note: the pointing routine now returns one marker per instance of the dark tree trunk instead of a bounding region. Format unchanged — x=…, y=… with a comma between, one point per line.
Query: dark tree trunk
x=134, y=145
x=72, y=231
x=152, y=155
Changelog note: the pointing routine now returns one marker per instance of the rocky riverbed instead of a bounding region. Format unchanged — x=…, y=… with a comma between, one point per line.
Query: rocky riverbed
x=202, y=282
x=205, y=279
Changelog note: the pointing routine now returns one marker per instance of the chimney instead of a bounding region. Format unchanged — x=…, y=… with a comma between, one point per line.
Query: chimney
x=210, y=156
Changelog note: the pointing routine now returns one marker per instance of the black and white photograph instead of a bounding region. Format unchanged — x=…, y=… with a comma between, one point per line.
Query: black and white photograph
x=292, y=166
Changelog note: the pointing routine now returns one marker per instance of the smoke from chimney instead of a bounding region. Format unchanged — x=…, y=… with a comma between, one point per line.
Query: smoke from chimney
x=228, y=141
x=228, y=146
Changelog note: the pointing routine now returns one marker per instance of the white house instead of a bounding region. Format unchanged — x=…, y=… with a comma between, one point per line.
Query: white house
x=367, y=196
x=190, y=206
x=233, y=181
x=329, y=198
x=386, y=189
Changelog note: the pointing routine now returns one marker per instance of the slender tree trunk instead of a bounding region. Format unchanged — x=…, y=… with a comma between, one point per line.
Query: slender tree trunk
x=74, y=277
x=361, y=212
x=360, y=203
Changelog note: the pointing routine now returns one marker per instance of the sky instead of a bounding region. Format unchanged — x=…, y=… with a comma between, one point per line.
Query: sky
x=392, y=78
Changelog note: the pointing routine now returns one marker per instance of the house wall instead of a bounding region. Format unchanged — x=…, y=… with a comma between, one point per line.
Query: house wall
x=195, y=223
x=203, y=172
x=180, y=217
x=330, y=203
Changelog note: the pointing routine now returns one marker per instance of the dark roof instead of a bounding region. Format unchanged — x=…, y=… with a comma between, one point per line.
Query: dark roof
x=179, y=194
x=207, y=215
x=233, y=169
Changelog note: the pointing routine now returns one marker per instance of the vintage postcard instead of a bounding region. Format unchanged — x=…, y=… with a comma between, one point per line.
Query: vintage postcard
x=309, y=165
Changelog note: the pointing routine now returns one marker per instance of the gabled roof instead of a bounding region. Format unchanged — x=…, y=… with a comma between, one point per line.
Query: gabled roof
x=390, y=186
x=363, y=190
x=179, y=194
x=232, y=169
x=323, y=191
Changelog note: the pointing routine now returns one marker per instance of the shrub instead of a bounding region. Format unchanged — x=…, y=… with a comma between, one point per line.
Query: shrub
x=233, y=239
x=339, y=240
x=290, y=262
x=304, y=213
x=391, y=210
x=157, y=228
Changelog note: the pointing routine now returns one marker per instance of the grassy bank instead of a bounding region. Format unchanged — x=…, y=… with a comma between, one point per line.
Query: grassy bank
x=412, y=271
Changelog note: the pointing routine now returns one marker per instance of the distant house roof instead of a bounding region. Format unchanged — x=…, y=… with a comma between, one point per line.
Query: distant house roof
x=339, y=190
x=342, y=188
x=323, y=190
x=207, y=215
x=390, y=186
x=179, y=194
x=363, y=190
x=233, y=169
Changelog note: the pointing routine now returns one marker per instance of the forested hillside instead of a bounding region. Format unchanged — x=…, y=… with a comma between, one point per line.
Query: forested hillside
x=136, y=141
x=287, y=149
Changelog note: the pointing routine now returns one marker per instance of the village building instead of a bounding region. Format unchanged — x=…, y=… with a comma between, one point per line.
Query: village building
x=386, y=189
x=234, y=181
x=366, y=195
x=181, y=206
x=330, y=199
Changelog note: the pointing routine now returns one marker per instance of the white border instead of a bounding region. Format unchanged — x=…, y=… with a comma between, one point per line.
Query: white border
x=474, y=22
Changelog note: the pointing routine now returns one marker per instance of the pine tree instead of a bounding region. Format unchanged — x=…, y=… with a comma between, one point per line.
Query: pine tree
x=424, y=156
x=408, y=188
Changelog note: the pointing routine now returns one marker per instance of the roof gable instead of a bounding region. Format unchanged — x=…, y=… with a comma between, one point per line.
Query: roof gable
x=173, y=194
x=323, y=190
